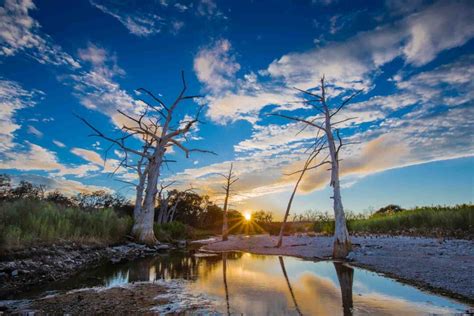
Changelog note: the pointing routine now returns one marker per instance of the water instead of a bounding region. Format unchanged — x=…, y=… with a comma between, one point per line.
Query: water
x=271, y=285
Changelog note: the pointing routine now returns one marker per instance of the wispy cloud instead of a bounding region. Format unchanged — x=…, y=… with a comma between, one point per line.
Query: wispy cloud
x=97, y=89
x=12, y=99
x=216, y=66
x=35, y=157
x=68, y=187
x=417, y=38
x=59, y=144
x=33, y=130
x=19, y=32
x=138, y=23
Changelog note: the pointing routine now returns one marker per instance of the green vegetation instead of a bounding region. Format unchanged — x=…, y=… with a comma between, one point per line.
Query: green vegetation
x=452, y=221
x=172, y=231
x=31, y=221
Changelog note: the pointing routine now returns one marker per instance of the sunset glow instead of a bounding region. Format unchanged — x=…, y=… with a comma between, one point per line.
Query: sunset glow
x=247, y=216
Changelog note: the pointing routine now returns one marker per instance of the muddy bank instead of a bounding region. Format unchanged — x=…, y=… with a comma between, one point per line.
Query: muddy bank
x=444, y=266
x=26, y=268
x=144, y=298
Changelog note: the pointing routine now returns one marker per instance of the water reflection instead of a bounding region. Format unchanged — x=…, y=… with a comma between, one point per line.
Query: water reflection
x=224, y=277
x=345, y=275
x=282, y=263
x=272, y=285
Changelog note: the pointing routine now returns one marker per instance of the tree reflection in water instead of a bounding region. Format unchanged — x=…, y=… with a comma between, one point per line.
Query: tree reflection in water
x=282, y=264
x=224, y=276
x=345, y=275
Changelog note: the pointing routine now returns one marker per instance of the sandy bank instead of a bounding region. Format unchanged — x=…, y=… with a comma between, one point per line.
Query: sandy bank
x=442, y=265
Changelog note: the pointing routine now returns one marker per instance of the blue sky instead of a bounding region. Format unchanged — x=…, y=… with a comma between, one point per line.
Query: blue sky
x=413, y=59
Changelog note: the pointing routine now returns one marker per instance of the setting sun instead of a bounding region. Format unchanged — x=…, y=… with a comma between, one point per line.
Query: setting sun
x=247, y=216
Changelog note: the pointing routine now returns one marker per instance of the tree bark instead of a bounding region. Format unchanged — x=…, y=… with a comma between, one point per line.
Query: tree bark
x=143, y=227
x=139, y=197
x=225, y=225
x=342, y=243
x=288, y=207
x=230, y=179
x=173, y=209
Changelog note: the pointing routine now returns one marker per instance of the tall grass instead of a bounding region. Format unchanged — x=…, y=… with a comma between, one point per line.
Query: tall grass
x=29, y=221
x=456, y=221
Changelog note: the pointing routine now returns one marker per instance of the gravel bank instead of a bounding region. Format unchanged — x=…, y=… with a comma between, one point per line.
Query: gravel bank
x=444, y=266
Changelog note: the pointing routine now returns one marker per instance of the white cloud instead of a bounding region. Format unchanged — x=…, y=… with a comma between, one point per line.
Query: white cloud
x=68, y=187
x=58, y=143
x=401, y=7
x=176, y=26
x=88, y=155
x=352, y=64
x=138, y=23
x=97, y=89
x=12, y=99
x=215, y=66
x=444, y=25
x=209, y=9
x=181, y=7
x=40, y=158
x=19, y=32
x=107, y=166
x=33, y=130
x=418, y=38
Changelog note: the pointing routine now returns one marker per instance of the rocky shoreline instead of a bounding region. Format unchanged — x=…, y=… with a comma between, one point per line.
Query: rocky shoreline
x=23, y=269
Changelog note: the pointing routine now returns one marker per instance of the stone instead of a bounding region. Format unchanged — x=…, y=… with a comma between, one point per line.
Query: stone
x=350, y=256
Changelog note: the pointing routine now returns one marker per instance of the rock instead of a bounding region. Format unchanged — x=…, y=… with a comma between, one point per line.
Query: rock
x=14, y=273
x=350, y=256
x=162, y=247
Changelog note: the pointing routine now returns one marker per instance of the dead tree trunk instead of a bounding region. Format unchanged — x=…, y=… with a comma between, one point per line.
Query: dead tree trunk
x=342, y=243
x=142, y=228
x=311, y=157
x=155, y=123
x=230, y=180
x=173, y=209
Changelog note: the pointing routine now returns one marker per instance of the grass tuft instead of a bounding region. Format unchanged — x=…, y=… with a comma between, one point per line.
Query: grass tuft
x=27, y=222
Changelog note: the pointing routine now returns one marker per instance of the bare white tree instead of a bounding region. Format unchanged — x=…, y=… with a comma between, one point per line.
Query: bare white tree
x=155, y=125
x=230, y=179
x=163, y=202
x=167, y=212
x=319, y=102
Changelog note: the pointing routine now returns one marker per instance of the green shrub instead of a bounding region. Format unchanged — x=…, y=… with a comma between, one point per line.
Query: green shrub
x=25, y=222
x=172, y=231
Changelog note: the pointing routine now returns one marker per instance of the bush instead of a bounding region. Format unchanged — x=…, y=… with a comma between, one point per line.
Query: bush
x=172, y=231
x=455, y=221
x=29, y=221
x=447, y=221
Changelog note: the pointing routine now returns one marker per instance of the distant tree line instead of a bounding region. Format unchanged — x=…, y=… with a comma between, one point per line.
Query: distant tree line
x=190, y=208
